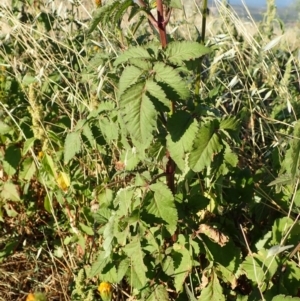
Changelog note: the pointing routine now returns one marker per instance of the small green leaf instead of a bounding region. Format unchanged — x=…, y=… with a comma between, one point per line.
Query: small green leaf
x=10, y=192
x=129, y=76
x=48, y=165
x=108, y=235
x=4, y=128
x=158, y=293
x=28, y=79
x=170, y=76
x=87, y=132
x=134, y=52
x=123, y=268
x=138, y=269
x=139, y=113
x=207, y=144
x=162, y=206
x=28, y=169
x=86, y=229
x=259, y=268
x=99, y=264
x=282, y=180
x=213, y=291
x=47, y=204
x=180, y=51
x=183, y=130
x=27, y=145
x=182, y=263
x=229, y=123
x=155, y=90
x=11, y=159
x=72, y=146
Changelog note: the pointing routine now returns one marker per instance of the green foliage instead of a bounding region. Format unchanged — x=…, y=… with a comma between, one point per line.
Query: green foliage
x=166, y=167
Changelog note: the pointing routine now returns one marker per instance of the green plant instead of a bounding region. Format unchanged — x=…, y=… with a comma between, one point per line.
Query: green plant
x=143, y=159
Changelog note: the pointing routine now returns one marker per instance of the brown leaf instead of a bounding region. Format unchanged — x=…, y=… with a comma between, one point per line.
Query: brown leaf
x=214, y=234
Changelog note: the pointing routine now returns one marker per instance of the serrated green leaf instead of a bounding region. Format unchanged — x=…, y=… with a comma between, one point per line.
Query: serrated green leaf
x=228, y=160
x=291, y=277
x=87, y=132
x=180, y=51
x=138, y=269
x=28, y=169
x=108, y=129
x=229, y=123
x=102, y=13
x=169, y=76
x=27, y=145
x=158, y=293
x=282, y=180
x=206, y=145
x=134, y=52
x=72, y=146
x=123, y=268
x=226, y=275
x=129, y=76
x=182, y=264
x=9, y=191
x=259, y=268
x=108, y=235
x=124, y=200
x=48, y=165
x=227, y=255
x=130, y=159
x=156, y=91
x=280, y=228
x=162, y=206
x=140, y=63
x=4, y=128
x=118, y=14
x=99, y=264
x=138, y=113
x=183, y=130
x=213, y=291
x=168, y=266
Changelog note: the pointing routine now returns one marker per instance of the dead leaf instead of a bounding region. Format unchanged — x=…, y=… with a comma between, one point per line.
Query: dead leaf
x=214, y=234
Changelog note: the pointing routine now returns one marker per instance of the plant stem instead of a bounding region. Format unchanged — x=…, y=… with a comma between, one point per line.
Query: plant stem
x=161, y=23
x=203, y=30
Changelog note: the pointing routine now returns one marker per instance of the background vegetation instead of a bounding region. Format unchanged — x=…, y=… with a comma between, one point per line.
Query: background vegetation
x=161, y=159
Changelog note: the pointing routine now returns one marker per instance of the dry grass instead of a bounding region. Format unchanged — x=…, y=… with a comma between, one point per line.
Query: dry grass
x=30, y=268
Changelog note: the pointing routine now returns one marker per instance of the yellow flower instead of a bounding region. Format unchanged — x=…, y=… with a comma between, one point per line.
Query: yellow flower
x=98, y=3
x=36, y=297
x=105, y=290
